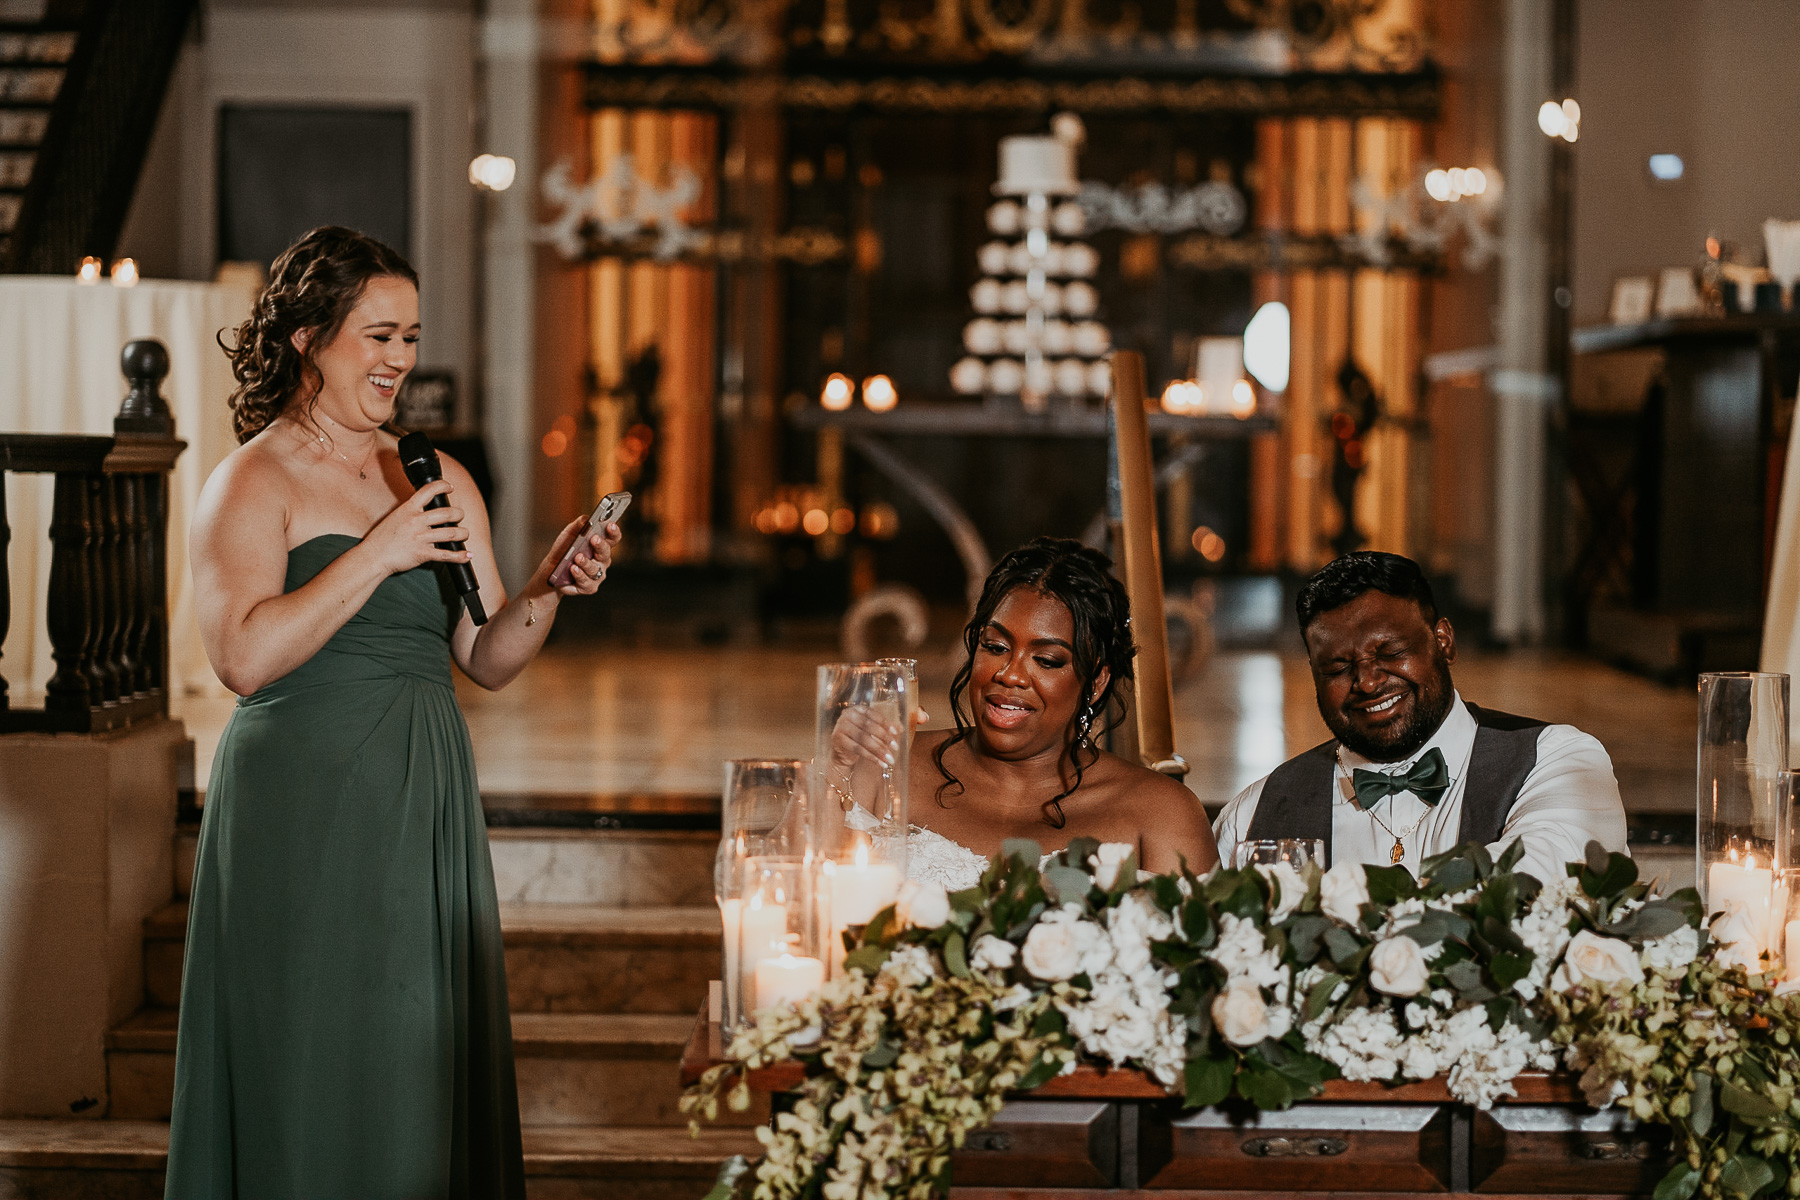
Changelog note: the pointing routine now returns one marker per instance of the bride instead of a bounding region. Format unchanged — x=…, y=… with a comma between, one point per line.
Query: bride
x=1049, y=641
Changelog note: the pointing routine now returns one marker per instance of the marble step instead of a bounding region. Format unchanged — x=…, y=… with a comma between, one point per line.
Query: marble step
x=566, y=958
x=577, y=1069
x=124, y=1160
x=624, y=868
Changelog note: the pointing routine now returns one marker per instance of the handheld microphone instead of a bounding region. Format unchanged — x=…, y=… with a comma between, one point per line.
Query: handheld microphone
x=419, y=459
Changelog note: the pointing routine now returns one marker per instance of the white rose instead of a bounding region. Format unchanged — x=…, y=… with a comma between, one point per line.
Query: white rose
x=1397, y=967
x=1290, y=888
x=1053, y=951
x=1107, y=861
x=993, y=954
x=1342, y=893
x=922, y=904
x=1591, y=958
x=1241, y=1015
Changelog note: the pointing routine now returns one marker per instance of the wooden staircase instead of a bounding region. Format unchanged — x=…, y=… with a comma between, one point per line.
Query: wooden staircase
x=80, y=89
x=603, y=998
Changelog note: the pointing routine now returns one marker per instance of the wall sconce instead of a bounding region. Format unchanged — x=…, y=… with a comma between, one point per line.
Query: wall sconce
x=89, y=271
x=837, y=393
x=125, y=273
x=879, y=394
x=1560, y=120
x=492, y=172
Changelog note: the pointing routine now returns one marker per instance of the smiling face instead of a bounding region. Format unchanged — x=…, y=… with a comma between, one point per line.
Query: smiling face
x=1382, y=674
x=1024, y=687
x=360, y=369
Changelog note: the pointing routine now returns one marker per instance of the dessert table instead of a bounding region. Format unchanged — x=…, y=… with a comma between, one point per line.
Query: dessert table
x=1116, y=1133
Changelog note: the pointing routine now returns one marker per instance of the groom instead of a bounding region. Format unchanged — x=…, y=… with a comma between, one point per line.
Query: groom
x=1414, y=769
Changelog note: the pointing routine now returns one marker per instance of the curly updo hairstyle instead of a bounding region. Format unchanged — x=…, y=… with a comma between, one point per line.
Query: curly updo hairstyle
x=313, y=285
x=1081, y=579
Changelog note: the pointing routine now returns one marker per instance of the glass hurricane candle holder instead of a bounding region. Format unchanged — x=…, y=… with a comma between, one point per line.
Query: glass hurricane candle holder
x=762, y=812
x=1298, y=852
x=778, y=936
x=1742, y=835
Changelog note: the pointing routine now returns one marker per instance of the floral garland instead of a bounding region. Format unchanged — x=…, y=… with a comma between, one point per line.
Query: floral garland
x=1263, y=983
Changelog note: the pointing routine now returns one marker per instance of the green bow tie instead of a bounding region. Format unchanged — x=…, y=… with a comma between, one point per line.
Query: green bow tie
x=1428, y=779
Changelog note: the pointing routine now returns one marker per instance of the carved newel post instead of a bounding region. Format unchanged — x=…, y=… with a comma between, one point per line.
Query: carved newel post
x=145, y=363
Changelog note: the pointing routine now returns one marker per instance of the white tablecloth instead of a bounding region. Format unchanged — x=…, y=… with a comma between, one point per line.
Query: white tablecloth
x=59, y=373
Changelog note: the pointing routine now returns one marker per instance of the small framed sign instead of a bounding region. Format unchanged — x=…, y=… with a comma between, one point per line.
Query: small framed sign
x=1632, y=297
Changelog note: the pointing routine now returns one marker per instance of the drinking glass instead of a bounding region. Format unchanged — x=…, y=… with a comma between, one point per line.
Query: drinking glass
x=860, y=768
x=763, y=810
x=1296, y=852
x=778, y=935
x=1742, y=834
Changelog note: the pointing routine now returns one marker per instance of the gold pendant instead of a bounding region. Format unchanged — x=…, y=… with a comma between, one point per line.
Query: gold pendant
x=1398, y=854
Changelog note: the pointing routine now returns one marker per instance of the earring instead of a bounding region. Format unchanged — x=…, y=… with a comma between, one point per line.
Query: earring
x=1086, y=720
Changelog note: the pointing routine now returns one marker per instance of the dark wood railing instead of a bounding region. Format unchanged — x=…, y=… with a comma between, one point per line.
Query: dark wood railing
x=107, y=608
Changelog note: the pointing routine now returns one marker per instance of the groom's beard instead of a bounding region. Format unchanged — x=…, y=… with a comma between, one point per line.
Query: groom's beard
x=1426, y=708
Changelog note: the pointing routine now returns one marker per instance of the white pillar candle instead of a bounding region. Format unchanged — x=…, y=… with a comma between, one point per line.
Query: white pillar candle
x=860, y=889
x=788, y=978
x=762, y=932
x=1793, y=949
x=1744, y=893
x=731, y=915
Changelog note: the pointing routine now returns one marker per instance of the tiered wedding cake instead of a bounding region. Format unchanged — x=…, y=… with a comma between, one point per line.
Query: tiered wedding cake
x=1034, y=334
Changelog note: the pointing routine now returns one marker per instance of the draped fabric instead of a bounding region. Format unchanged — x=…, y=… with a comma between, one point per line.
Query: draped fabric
x=344, y=1022
x=59, y=373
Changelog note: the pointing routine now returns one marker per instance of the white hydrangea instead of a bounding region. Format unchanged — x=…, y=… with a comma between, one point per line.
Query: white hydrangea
x=1364, y=1043
x=910, y=965
x=1125, y=1015
x=1545, y=931
x=1672, y=953
x=1244, y=954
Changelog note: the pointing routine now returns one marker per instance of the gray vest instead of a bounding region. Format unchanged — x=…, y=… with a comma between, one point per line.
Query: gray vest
x=1297, y=799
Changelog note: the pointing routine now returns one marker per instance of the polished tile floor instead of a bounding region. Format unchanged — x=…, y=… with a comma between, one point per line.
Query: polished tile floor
x=621, y=720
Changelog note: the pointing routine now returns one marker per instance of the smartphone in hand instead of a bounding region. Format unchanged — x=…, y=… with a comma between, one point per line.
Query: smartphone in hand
x=611, y=507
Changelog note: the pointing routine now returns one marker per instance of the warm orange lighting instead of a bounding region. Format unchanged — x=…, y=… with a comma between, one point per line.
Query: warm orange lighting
x=1243, y=399
x=879, y=394
x=1184, y=397
x=565, y=425
x=555, y=442
x=838, y=391
x=125, y=273
x=1208, y=544
x=765, y=520
x=787, y=517
x=880, y=520
x=815, y=522
x=843, y=521
x=90, y=270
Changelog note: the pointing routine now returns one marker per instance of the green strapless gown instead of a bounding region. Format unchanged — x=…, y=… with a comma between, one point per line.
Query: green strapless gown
x=344, y=1024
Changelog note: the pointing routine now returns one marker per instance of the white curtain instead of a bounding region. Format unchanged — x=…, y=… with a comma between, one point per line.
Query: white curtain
x=59, y=373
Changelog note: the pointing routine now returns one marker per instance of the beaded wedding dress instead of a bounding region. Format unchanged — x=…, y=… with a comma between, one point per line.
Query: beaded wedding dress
x=933, y=858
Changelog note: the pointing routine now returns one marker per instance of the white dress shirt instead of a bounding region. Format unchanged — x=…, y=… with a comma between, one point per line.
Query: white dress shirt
x=1569, y=799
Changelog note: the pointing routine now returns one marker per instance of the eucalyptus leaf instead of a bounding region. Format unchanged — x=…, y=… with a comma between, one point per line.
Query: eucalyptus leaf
x=1208, y=1080
x=1022, y=850
x=1656, y=919
x=1597, y=857
x=1390, y=885
x=1745, y=1175
x=867, y=958
x=1747, y=1104
x=1042, y=1071
x=956, y=959
x=1164, y=891
x=1067, y=885
x=1510, y=967
x=1318, y=997
x=1679, y=1183
x=1509, y=857
x=1267, y=1089
x=1079, y=850
x=1454, y=876
x=1341, y=944
x=1305, y=933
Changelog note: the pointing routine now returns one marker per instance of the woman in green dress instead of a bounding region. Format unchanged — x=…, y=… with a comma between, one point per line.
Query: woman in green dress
x=344, y=1024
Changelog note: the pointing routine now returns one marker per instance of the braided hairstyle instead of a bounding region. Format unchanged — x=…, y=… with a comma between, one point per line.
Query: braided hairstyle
x=314, y=285
x=1081, y=579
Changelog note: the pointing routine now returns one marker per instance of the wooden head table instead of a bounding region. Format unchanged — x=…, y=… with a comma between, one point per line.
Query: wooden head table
x=1107, y=1134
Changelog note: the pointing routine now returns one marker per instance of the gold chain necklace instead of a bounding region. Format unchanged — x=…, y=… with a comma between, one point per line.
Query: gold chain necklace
x=1399, y=851
x=361, y=473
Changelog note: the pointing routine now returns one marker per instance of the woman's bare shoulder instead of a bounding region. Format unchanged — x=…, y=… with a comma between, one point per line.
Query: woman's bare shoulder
x=256, y=477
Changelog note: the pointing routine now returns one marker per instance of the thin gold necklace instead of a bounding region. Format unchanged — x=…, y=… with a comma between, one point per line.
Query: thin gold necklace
x=1399, y=851
x=361, y=473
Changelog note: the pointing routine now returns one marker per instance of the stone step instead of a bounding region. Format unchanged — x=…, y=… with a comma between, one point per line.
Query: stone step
x=623, y=868
x=567, y=958
x=124, y=1160
x=577, y=1069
